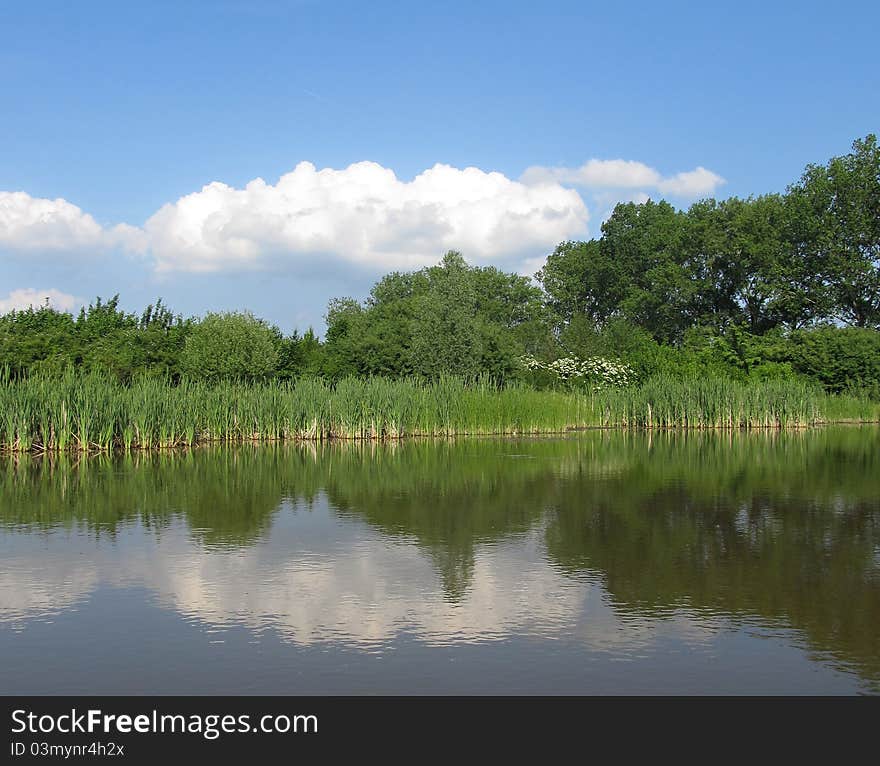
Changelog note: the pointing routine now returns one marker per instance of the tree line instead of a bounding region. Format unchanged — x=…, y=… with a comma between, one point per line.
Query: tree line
x=793, y=260
x=779, y=285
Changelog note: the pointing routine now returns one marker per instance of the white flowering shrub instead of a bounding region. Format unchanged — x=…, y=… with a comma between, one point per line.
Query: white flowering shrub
x=594, y=372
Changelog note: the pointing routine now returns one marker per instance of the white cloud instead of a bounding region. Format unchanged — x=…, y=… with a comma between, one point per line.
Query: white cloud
x=35, y=224
x=694, y=183
x=363, y=215
x=626, y=174
x=27, y=297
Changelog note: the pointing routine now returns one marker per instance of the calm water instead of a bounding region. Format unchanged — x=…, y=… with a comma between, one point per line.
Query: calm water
x=600, y=563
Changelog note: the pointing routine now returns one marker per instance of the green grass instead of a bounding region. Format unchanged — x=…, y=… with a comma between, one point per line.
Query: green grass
x=93, y=413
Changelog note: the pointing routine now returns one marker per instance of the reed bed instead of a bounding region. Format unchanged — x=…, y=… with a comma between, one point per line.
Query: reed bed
x=702, y=403
x=87, y=413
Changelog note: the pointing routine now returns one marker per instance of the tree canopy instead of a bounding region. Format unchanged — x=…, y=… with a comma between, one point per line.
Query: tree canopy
x=230, y=346
x=446, y=319
x=806, y=257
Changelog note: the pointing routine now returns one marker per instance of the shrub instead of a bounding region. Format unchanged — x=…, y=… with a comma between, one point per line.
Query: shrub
x=230, y=346
x=594, y=373
x=840, y=358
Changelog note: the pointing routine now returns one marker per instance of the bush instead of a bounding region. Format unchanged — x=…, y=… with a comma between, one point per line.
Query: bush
x=634, y=346
x=593, y=373
x=840, y=358
x=230, y=346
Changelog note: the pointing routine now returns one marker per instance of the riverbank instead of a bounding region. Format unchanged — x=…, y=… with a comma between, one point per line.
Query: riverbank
x=92, y=413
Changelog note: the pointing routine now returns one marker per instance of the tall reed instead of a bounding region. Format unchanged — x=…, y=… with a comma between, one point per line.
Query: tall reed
x=92, y=413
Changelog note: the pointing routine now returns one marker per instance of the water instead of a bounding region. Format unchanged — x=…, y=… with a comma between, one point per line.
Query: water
x=605, y=562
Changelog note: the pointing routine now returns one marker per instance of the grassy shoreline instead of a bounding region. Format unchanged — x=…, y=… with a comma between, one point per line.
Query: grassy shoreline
x=92, y=413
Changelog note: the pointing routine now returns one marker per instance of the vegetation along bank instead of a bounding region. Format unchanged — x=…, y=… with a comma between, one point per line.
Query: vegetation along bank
x=738, y=313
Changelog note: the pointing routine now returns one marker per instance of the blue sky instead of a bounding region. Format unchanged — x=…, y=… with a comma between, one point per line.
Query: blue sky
x=116, y=116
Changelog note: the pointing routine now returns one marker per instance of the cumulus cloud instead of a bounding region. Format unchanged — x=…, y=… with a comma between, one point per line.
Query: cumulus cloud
x=29, y=297
x=35, y=224
x=626, y=174
x=694, y=183
x=363, y=215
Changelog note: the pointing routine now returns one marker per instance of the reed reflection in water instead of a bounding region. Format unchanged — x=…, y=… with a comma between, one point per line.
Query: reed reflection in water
x=604, y=562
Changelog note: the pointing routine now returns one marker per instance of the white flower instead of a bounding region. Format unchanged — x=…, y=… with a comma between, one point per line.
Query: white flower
x=595, y=372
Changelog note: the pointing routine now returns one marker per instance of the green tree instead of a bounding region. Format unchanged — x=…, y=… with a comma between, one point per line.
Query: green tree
x=230, y=345
x=840, y=202
x=36, y=338
x=745, y=260
x=658, y=288
x=583, y=278
x=446, y=331
x=840, y=358
x=300, y=355
x=160, y=338
x=446, y=319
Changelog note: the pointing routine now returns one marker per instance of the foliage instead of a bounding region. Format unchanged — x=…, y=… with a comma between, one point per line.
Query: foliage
x=841, y=358
x=450, y=319
x=300, y=355
x=842, y=199
x=809, y=256
x=581, y=280
x=102, y=337
x=230, y=346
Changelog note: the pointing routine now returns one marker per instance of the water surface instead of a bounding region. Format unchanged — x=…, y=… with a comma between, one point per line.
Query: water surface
x=606, y=562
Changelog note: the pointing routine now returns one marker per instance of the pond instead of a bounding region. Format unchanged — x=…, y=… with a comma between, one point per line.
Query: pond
x=605, y=562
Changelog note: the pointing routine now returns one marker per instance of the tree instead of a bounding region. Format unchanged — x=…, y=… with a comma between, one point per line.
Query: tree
x=747, y=266
x=446, y=319
x=639, y=270
x=36, y=338
x=583, y=278
x=446, y=331
x=658, y=291
x=160, y=337
x=230, y=345
x=300, y=355
x=368, y=340
x=840, y=202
